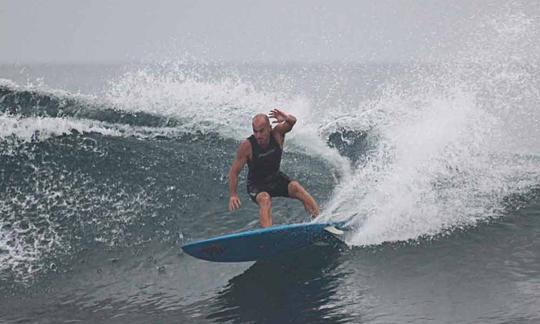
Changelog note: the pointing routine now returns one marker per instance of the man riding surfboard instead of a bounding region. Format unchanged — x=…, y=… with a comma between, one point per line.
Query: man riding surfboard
x=262, y=152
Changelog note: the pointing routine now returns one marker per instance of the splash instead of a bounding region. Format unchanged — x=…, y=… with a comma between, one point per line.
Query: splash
x=224, y=105
x=49, y=210
x=448, y=140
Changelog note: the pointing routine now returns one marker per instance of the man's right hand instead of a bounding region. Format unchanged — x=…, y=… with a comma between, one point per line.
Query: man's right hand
x=234, y=203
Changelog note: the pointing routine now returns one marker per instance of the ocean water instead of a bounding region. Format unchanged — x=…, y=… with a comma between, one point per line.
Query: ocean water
x=107, y=169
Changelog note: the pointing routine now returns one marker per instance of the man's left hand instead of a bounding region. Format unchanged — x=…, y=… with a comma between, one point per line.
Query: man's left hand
x=278, y=115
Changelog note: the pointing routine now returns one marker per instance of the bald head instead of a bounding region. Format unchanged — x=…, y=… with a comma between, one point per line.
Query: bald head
x=261, y=129
x=260, y=120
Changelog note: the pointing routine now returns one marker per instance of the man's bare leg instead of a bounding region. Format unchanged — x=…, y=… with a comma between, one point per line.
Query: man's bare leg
x=298, y=192
x=265, y=208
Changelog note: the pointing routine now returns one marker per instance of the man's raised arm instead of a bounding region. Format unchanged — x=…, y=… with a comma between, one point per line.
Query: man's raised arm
x=285, y=122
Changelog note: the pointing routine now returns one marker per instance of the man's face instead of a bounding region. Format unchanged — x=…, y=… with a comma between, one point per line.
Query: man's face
x=261, y=131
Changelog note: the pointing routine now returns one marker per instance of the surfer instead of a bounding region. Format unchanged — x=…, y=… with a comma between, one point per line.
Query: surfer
x=262, y=152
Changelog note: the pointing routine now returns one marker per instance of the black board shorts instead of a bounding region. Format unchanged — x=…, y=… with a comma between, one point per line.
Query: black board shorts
x=276, y=185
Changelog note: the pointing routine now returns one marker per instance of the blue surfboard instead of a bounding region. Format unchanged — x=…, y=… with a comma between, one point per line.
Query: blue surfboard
x=262, y=243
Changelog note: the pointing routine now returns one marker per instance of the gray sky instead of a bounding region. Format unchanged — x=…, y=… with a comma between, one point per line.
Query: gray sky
x=241, y=31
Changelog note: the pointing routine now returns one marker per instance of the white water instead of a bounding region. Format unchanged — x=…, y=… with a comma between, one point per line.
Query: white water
x=451, y=144
x=224, y=106
x=26, y=129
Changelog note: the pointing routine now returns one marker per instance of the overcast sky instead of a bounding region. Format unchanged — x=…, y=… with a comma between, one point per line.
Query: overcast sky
x=229, y=30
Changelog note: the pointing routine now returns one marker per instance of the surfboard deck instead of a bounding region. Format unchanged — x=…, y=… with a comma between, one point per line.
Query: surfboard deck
x=263, y=243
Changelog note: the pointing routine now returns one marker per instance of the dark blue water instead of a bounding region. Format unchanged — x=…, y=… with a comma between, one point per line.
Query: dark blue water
x=105, y=175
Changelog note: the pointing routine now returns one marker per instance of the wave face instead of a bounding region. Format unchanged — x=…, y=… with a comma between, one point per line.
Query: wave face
x=80, y=173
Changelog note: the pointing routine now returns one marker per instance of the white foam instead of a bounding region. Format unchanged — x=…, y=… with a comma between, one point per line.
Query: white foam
x=225, y=106
x=447, y=142
x=26, y=129
x=29, y=128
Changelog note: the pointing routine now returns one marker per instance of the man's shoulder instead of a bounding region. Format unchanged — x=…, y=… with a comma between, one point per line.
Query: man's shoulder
x=245, y=142
x=245, y=146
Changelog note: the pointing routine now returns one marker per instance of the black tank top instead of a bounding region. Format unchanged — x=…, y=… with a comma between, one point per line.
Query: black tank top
x=263, y=163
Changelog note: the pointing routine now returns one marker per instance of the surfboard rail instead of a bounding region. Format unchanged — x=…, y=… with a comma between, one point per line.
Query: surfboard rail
x=262, y=243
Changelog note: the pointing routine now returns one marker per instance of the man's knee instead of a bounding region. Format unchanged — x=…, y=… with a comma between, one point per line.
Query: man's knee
x=294, y=187
x=264, y=199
